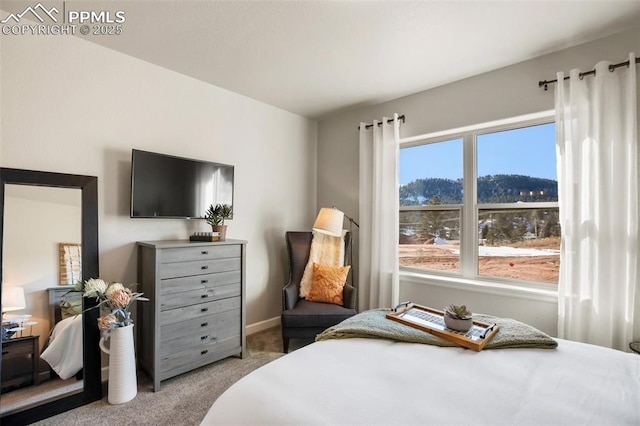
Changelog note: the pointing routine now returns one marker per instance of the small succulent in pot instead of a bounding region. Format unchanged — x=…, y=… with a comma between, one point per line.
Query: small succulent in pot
x=458, y=318
x=460, y=312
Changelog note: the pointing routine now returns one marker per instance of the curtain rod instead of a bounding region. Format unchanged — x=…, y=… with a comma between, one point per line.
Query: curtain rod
x=368, y=126
x=612, y=68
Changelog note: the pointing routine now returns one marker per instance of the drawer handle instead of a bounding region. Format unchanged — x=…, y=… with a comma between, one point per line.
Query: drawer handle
x=204, y=337
x=204, y=352
x=204, y=267
x=204, y=281
x=204, y=324
x=204, y=309
x=205, y=252
x=204, y=296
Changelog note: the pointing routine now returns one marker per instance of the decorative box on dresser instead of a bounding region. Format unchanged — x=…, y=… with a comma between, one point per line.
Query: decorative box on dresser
x=195, y=314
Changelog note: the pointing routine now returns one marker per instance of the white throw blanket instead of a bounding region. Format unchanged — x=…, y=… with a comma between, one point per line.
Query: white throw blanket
x=64, y=353
x=375, y=324
x=325, y=250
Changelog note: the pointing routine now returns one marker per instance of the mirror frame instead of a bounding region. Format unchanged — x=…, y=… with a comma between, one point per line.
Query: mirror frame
x=92, y=390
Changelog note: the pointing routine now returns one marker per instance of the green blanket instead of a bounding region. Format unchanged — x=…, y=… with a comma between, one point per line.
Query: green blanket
x=374, y=324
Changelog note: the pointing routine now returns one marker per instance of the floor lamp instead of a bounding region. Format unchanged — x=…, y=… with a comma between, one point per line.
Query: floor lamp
x=329, y=221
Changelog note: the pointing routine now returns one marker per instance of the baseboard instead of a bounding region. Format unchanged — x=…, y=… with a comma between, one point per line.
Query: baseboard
x=262, y=325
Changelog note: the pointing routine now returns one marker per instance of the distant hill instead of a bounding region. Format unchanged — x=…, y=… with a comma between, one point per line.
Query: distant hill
x=491, y=189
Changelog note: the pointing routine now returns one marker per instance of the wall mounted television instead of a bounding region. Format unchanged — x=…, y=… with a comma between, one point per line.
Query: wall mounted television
x=165, y=186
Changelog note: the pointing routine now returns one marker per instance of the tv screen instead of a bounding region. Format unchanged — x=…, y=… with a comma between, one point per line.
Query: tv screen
x=164, y=186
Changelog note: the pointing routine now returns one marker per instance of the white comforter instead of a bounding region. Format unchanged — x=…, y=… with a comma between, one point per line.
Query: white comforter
x=64, y=353
x=372, y=381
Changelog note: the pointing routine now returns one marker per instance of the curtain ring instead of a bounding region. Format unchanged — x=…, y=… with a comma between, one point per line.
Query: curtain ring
x=581, y=76
x=612, y=68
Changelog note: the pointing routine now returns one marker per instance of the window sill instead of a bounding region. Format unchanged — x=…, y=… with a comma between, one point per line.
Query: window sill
x=488, y=287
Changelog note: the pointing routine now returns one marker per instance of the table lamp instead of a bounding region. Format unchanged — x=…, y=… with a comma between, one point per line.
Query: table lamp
x=12, y=300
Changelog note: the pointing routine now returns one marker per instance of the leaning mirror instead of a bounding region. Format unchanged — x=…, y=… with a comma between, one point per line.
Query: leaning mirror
x=49, y=234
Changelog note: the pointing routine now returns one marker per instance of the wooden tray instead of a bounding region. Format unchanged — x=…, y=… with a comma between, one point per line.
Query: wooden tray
x=432, y=321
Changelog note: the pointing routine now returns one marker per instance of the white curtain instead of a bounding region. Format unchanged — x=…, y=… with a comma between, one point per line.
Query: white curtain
x=378, y=248
x=597, y=153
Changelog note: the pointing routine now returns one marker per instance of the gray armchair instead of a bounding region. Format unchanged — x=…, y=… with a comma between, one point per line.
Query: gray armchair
x=302, y=318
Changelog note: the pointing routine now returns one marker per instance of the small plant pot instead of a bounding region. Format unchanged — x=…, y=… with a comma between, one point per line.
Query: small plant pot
x=458, y=324
x=221, y=230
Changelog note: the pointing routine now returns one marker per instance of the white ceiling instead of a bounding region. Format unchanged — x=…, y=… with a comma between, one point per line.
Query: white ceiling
x=314, y=57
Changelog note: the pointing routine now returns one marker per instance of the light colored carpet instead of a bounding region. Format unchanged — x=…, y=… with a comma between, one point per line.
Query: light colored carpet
x=49, y=389
x=182, y=400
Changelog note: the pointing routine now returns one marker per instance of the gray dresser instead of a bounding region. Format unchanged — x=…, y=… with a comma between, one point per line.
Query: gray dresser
x=195, y=315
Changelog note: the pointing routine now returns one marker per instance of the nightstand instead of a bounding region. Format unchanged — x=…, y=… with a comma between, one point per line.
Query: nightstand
x=20, y=362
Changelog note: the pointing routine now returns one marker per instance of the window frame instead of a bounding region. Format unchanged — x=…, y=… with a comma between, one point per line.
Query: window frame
x=468, y=274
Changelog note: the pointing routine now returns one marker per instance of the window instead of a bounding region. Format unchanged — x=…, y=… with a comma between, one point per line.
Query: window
x=482, y=203
x=431, y=205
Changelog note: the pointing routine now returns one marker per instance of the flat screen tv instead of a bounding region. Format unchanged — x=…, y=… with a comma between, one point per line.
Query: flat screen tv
x=164, y=186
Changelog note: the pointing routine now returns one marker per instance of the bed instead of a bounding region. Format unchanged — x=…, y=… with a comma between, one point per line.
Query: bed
x=368, y=380
x=63, y=349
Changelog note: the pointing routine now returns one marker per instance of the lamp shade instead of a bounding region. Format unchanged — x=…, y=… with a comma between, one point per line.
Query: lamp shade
x=329, y=221
x=13, y=299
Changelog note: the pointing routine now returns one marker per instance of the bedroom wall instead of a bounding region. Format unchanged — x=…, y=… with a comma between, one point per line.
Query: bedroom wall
x=503, y=93
x=53, y=216
x=72, y=106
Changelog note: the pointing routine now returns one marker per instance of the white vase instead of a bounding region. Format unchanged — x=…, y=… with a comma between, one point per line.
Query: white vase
x=123, y=385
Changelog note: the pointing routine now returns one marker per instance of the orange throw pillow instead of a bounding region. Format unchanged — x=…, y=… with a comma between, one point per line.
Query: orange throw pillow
x=328, y=283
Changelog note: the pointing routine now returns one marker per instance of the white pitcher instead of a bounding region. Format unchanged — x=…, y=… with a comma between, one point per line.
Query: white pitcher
x=123, y=385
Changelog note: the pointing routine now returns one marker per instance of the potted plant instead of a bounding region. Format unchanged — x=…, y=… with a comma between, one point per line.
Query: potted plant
x=215, y=216
x=458, y=317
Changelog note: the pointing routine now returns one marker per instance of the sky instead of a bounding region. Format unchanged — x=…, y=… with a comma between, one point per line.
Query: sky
x=517, y=151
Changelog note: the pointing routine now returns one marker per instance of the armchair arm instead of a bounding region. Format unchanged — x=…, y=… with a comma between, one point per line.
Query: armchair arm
x=289, y=296
x=349, y=297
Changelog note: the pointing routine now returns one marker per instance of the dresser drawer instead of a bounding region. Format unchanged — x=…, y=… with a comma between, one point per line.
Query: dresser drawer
x=177, y=285
x=199, y=253
x=205, y=352
x=197, y=325
x=16, y=349
x=198, y=267
x=19, y=360
x=200, y=310
x=193, y=297
x=17, y=368
x=220, y=327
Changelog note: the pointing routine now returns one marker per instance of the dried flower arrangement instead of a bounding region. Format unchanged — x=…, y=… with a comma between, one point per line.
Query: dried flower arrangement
x=115, y=297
